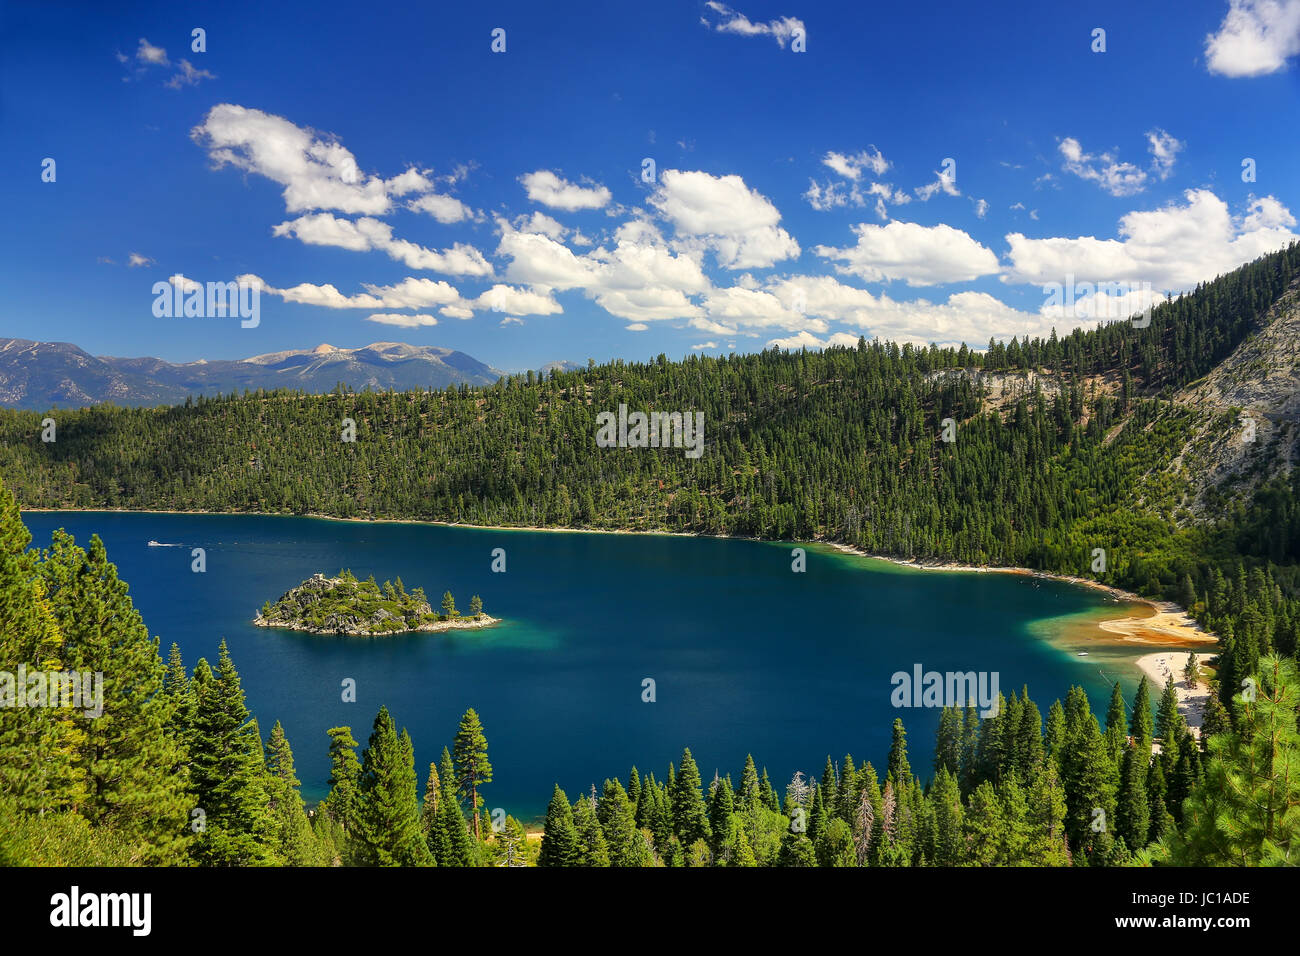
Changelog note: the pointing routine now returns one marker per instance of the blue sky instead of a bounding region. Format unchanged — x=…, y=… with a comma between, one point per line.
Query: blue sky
x=386, y=176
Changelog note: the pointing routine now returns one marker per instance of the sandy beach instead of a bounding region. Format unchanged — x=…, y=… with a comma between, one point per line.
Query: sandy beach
x=1191, y=697
x=1168, y=626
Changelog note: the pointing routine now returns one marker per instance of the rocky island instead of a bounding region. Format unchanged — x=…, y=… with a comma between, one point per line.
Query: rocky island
x=346, y=605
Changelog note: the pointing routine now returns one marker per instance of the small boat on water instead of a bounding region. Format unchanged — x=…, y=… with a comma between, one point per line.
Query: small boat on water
x=1083, y=653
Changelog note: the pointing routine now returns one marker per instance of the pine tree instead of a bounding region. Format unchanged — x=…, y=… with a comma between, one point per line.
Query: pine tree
x=817, y=816
x=796, y=850
x=1116, y=720
x=429, y=808
x=1246, y=812
x=1054, y=739
x=834, y=847
x=829, y=786
x=559, y=838
x=1215, y=719
x=750, y=794
x=293, y=839
x=512, y=843
x=634, y=794
x=722, y=811
x=40, y=748
x=1091, y=782
x=471, y=760
x=1169, y=722
x=899, y=769
x=454, y=844
x=983, y=828
x=689, y=816
x=848, y=795
x=1133, y=809
x=591, y=847
x=119, y=754
x=969, y=749
x=948, y=740
x=228, y=773
x=343, y=802
x=1046, y=840
x=1029, y=749
x=946, y=805
x=389, y=807
x=627, y=847
x=768, y=794
x=1159, y=820
x=1143, y=726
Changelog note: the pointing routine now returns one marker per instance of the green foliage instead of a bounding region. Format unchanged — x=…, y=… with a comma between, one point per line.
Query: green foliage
x=471, y=761
x=560, y=845
x=345, y=605
x=1247, y=810
x=292, y=838
x=228, y=776
x=389, y=809
x=1037, y=479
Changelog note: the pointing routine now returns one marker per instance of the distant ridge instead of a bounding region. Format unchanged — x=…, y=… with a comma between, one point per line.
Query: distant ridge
x=42, y=375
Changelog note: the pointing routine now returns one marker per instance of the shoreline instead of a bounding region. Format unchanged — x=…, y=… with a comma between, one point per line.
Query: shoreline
x=1167, y=626
x=484, y=621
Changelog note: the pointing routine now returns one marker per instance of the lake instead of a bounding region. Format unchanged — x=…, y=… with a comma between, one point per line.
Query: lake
x=746, y=655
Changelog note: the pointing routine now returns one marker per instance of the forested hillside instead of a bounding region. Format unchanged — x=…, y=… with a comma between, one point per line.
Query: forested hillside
x=845, y=445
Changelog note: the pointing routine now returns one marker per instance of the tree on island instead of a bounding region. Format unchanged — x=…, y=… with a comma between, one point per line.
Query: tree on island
x=448, y=605
x=1190, y=671
x=476, y=607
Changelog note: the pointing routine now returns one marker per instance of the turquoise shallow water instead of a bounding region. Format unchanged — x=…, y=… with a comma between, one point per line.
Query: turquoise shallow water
x=746, y=655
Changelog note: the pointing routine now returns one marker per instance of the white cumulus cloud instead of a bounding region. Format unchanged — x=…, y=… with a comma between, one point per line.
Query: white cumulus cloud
x=738, y=223
x=1172, y=248
x=1256, y=37
x=916, y=254
x=549, y=189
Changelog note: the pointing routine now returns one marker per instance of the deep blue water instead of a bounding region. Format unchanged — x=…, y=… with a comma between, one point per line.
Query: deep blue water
x=746, y=655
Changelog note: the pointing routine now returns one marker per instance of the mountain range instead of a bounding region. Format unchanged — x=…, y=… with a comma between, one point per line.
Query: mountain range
x=43, y=375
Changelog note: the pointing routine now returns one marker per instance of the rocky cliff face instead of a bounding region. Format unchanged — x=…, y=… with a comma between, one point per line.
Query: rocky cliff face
x=1247, y=413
